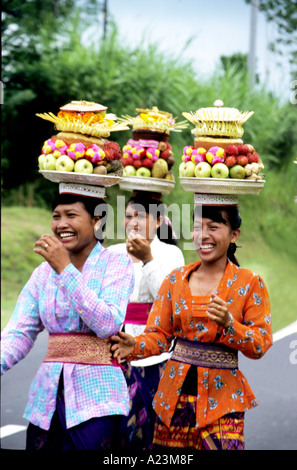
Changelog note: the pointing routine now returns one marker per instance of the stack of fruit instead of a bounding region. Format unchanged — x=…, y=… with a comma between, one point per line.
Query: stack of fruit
x=81, y=147
x=239, y=161
x=80, y=158
x=219, y=151
x=148, y=158
x=148, y=153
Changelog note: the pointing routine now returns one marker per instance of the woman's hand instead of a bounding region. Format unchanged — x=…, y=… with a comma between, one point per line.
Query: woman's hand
x=124, y=345
x=218, y=311
x=53, y=252
x=140, y=248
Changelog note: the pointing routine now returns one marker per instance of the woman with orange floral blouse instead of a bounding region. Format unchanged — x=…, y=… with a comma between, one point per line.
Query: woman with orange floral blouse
x=213, y=308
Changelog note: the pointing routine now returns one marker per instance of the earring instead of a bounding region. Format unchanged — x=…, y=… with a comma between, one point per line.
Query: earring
x=97, y=225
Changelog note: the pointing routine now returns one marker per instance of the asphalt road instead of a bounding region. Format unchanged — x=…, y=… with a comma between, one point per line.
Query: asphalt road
x=270, y=426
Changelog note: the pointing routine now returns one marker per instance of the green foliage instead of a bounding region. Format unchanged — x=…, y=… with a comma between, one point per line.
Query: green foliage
x=238, y=60
x=62, y=60
x=74, y=62
x=283, y=13
x=267, y=247
x=21, y=227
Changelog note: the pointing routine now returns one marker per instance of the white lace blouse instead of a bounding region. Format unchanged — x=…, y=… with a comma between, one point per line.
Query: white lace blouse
x=148, y=280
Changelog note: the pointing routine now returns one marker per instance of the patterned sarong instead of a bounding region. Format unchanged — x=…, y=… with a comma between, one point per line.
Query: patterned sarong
x=226, y=433
x=138, y=427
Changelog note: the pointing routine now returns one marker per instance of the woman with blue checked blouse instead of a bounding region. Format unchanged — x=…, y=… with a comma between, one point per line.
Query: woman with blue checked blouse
x=79, y=294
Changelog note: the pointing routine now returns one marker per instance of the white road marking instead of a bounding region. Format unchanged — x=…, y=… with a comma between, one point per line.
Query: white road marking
x=286, y=331
x=10, y=429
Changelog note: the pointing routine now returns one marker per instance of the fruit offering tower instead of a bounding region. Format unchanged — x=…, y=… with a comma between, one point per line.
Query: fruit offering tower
x=219, y=157
x=147, y=156
x=80, y=152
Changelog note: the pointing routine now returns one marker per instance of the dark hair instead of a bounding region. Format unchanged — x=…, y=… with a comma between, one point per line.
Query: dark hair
x=94, y=206
x=217, y=213
x=151, y=204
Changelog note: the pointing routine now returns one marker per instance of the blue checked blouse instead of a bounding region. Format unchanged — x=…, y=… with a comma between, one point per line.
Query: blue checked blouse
x=73, y=301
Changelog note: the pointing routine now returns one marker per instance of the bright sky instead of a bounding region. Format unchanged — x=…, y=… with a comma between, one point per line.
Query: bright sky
x=217, y=27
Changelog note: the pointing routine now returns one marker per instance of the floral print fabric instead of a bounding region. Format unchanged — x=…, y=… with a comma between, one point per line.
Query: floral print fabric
x=176, y=313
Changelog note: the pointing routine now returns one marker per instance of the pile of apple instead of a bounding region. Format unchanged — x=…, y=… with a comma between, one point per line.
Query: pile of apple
x=239, y=161
x=58, y=156
x=148, y=159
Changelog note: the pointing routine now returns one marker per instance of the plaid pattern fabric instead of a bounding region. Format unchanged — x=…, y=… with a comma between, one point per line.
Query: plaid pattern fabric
x=92, y=300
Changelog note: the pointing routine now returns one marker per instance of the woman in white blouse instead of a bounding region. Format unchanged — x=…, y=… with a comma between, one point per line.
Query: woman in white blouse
x=153, y=259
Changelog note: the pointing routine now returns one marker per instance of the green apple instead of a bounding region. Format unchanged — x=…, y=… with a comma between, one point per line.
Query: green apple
x=143, y=171
x=64, y=163
x=41, y=161
x=237, y=172
x=83, y=166
x=219, y=170
x=50, y=162
x=129, y=170
x=202, y=170
x=181, y=169
x=187, y=169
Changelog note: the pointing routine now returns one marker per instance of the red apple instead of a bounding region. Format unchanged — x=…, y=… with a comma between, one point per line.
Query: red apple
x=253, y=157
x=231, y=150
x=147, y=163
x=230, y=161
x=243, y=149
x=166, y=154
x=128, y=161
x=137, y=164
x=242, y=160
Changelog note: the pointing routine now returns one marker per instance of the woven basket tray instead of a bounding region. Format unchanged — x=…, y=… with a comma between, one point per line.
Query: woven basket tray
x=82, y=178
x=141, y=183
x=221, y=185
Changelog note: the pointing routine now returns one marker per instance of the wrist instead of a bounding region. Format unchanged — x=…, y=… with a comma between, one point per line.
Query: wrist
x=229, y=325
x=147, y=260
x=130, y=356
x=61, y=268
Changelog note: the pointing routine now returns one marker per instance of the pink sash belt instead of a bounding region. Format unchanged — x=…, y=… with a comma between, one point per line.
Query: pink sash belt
x=79, y=348
x=137, y=313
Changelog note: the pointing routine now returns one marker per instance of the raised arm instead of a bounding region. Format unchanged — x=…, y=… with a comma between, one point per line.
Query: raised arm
x=251, y=333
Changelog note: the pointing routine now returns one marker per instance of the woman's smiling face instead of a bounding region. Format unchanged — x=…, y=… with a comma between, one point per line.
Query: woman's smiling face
x=212, y=239
x=138, y=221
x=73, y=226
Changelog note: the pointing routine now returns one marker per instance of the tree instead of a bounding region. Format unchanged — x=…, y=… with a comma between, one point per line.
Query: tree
x=32, y=32
x=238, y=60
x=27, y=27
x=284, y=14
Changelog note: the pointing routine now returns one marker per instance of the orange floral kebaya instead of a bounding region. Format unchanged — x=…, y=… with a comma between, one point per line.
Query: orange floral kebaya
x=176, y=313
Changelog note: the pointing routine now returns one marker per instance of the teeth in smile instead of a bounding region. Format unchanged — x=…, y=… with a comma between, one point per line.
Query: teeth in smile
x=206, y=247
x=66, y=235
